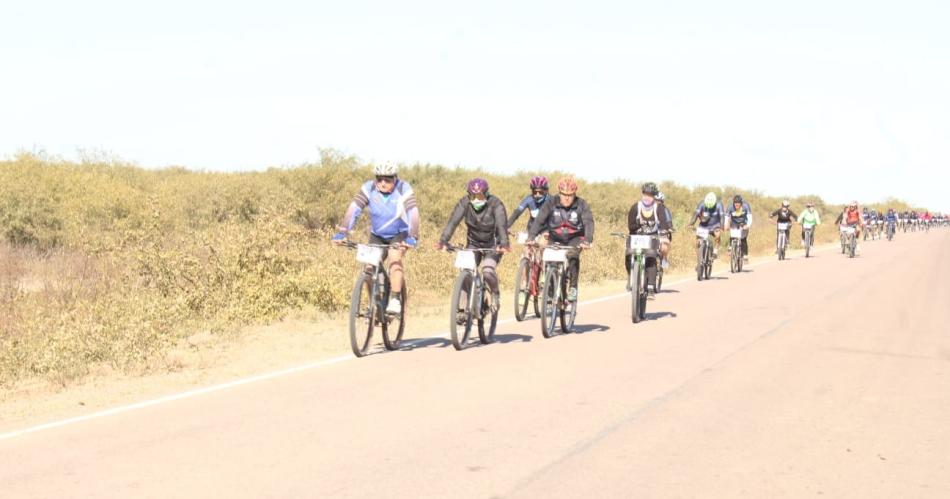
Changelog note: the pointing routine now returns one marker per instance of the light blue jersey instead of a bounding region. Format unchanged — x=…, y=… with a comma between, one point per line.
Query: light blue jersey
x=390, y=214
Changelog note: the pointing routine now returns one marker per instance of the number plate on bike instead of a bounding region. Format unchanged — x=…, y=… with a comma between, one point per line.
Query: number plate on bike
x=847, y=230
x=641, y=242
x=783, y=226
x=702, y=233
x=554, y=255
x=465, y=260
x=522, y=237
x=735, y=233
x=368, y=254
x=808, y=226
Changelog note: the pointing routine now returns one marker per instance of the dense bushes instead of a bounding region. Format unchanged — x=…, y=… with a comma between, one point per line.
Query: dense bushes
x=104, y=262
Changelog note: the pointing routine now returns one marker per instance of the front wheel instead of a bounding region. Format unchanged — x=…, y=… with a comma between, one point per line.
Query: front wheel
x=635, y=283
x=550, y=298
x=362, y=311
x=701, y=260
x=807, y=244
x=460, y=319
x=395, y=325
x=522, y=289
x=488, y=319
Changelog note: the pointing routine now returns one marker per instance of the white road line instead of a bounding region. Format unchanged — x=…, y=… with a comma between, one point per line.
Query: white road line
x=289, y=371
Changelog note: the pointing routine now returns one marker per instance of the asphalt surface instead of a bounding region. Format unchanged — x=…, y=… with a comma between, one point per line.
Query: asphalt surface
x=829, y=377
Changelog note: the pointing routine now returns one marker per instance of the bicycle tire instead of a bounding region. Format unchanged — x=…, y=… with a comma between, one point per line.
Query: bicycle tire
x=362, y=334
x=635, y=291
x=487, y=319
x=550, y=298
x=459, y=332
x=395, y=325
x=522, y=289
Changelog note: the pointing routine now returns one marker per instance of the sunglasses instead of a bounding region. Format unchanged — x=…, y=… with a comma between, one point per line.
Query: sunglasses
x=389, y=179
x=540, y=192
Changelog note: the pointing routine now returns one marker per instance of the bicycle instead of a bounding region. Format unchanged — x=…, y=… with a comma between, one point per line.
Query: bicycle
x=370, y=298
x=554, y=291
x=474, y=306
x=735, y=250
x=527, y=287
x=809, y=237
x=890, y=231
x=645, y=250
x=849, y=241
x=782, y=239
x=704, y=254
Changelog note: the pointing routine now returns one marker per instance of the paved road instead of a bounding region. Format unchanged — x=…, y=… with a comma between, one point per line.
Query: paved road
x=802, y=378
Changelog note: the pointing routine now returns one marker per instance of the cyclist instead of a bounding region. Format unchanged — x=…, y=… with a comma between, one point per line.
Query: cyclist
x=394, y=220
x=891, y=220
x=533, y=202
x=851, y=216
x=487, y=224
x=809, y=217
x=741, y=217
x=785, y=215
x=710, y=214
x=648, y=217
x=567, y=220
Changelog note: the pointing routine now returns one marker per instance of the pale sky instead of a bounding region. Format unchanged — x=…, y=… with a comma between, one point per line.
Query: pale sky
x=842, y=99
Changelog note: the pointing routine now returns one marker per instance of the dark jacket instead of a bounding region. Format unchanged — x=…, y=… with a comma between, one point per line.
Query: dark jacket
x=659, y=221
x=487, y=228
x=785, y=218
x=564, y=225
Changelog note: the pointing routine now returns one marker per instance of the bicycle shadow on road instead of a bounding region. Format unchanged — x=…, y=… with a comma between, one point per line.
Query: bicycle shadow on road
x=512, y=338
x=652, y=316
x=434, y=342
x=590, y=328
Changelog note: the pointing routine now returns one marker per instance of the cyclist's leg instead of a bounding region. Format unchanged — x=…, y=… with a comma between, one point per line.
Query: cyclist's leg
x=395, y=261
x=489, y=271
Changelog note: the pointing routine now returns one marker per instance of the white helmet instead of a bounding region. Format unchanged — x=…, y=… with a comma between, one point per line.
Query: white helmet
x=386, y=169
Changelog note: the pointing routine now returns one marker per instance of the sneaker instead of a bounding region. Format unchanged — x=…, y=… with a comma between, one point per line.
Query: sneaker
x=394, y=306
x=665, y=264
x=495, y=302
x=572, y=294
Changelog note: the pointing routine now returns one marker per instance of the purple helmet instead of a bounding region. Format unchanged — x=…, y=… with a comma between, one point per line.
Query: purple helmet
x=539, y=182
x=478, y=186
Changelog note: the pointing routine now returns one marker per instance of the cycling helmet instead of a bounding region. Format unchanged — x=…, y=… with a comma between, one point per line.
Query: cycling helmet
x=386, y=170
x=567, y=185
x=710, y=200
x=649, y=188
x=660, y=197
x=477, y=186
x=737, y=199
x=538, y=182
x=785, y=204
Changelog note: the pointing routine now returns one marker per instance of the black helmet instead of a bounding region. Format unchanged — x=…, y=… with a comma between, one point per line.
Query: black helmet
x=650, y=188
x=737, y=199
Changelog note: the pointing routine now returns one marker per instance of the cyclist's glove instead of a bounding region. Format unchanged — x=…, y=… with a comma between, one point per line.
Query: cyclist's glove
x=339, y=236
x=411, y=241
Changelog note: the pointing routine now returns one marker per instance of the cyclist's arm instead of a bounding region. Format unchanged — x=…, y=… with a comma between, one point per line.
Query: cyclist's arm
x=501, y=225
x=773, y=214
x=793, y=216
x=587, y=217
x=695, y=216
x=360, y=201
x=517, y=213
x=748, y=222
x=541, y=220
x=457, y=214
x=412, y=211
x=633, y=224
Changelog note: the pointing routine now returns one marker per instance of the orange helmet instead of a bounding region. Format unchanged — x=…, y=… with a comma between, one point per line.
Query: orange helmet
x=567, y=185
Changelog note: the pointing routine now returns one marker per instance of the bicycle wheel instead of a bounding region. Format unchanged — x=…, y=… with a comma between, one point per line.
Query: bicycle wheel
x=362, y=309
x=807, y=244
x=460, y=315
x=781, y=246
x=569, y=311
x=733, y=267
x=701, y=261
x=487, y=320
x=395, y=325
x=635, y=291
x=522, y=288
x=852, y=246
x=550, y=294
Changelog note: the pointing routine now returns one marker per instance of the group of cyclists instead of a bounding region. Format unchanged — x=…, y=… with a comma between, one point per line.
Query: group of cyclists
x=565, y=219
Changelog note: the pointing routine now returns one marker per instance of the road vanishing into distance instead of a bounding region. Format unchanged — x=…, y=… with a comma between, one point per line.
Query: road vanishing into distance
x=827, y=377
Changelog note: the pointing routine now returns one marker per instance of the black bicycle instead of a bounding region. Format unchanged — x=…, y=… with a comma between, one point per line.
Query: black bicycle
x=704, y=253
x=554, y=292
x=849, y=240
x=809, y=237
x=781, y=239
x=370, y=299
x=644, y=253
x=735, y=250
x=471, y=304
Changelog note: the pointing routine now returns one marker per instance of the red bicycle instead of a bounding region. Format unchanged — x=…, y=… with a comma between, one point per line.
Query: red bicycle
x=527, y=288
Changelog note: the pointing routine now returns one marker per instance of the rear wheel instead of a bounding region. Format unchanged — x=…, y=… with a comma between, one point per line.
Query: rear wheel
x=523, y=289
x=701, y=261
x=460, y=315
x=852, y=245
x=395, y=325
x=549, y=299
x=807, y=243
x=362, y=310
